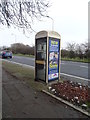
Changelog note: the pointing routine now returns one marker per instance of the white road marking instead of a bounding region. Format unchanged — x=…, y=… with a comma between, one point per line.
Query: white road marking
x=77, y=77
x=77, y=62
x=84, y=66
x=73, y=63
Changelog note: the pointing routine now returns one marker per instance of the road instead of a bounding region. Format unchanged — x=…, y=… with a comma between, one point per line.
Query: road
x=19, y=100
x=75, y=70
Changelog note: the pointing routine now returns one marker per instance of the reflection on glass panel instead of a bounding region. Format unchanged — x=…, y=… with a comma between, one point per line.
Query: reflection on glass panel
x=41, y=49
x=41, y=56
x=41, y=71
x=44, y=47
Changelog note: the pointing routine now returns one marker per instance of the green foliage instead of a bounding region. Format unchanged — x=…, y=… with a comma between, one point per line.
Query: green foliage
x=88, y=104
x=25, y=55
x=77, y=59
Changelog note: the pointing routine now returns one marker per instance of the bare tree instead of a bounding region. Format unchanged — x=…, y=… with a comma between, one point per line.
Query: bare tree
x=21, y=13
x=64, y=53
x=71, y=49
x=71, y=46
x=79, y=51
x=22, y=49
x=87, y=50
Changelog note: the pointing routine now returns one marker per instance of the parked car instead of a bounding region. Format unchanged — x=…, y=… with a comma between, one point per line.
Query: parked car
x=6, y=54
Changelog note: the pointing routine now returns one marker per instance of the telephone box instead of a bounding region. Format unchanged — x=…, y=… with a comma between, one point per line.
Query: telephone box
x=47, y=56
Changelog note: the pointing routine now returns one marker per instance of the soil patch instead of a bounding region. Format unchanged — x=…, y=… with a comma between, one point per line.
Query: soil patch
x=72, y=92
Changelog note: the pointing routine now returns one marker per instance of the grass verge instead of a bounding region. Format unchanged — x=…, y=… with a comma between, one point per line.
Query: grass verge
x=26, y=55
x=23, y=73
x=76, y=60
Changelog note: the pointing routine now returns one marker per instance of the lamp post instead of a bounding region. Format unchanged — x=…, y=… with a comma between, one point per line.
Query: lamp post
x=14, y=40
x=52, y=22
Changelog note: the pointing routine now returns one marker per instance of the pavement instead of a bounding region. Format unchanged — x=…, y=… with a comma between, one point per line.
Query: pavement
x=19, y=100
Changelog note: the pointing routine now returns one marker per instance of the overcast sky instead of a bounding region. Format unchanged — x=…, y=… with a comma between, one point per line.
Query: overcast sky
x=70, y=21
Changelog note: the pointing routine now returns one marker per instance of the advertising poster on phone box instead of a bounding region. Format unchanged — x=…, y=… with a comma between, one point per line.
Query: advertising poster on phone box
x=53, y=67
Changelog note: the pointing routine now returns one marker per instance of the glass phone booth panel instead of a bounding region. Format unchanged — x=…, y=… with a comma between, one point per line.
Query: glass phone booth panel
x=41, y=59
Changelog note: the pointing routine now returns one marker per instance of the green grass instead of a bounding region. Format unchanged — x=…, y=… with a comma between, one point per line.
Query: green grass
x=26, y=55
x=25, y=74
x=88, y=104
x=76, y=60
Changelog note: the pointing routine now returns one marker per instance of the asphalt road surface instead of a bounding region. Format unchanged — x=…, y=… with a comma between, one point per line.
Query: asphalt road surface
x=19, y=100
x=75, y=70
